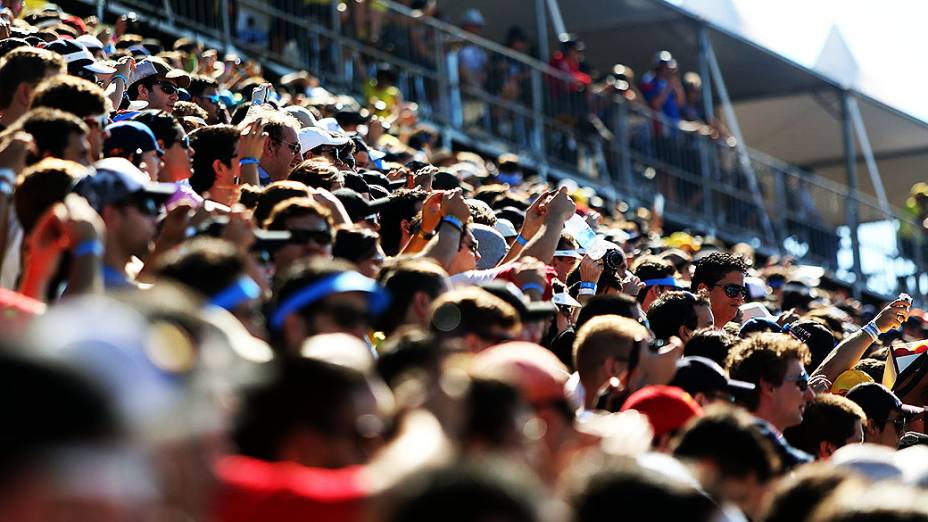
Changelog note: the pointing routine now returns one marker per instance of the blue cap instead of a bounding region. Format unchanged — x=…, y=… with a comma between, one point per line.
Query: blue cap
x=758, y=324
x=128, y=137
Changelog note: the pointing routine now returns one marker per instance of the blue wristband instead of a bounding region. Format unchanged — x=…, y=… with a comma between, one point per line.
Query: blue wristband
x=533, y=286
x=248, y=161
x=587, y=284
x=453, y=221
x=521, y=240
x=89, y=247
x=119, y=76
x=872, y=330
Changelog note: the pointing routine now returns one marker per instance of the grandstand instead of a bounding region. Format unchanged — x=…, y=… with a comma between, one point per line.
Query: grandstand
x=788, y=186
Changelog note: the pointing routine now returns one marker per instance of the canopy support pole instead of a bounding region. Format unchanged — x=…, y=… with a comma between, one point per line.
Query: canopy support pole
x=556, y=19
x=744, y=158
x=850, y=158
x=867, y=151
x=541, y=27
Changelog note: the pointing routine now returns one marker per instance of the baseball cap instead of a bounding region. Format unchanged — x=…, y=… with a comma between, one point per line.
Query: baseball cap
x=302, y=114
x=668, y=408
x=534, y=370
x=878, y=401
x=130, y=137
x=697, y=374
x=356, y=182
x=505, y=227
x=91, y=42
x=331, y=125
x=443, y=180
x=77, y=56
x=490, y=244
x=757, y=325
x=847, y=380
x=115, y=180
x=815, y=335
x=352, y=117
x=359, y=208
x=312, y=137
x=154, y=66
x=528, y=310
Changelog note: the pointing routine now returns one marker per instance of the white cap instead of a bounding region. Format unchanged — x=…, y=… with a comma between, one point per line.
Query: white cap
x=331, y=125
x=505, y=227
x=90, y=41
x=312, y=137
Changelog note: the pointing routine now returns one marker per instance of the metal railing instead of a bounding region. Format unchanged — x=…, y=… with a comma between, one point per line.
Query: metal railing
x=488, y=95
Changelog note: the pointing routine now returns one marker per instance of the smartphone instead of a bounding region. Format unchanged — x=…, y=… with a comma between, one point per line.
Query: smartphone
x=259, y=94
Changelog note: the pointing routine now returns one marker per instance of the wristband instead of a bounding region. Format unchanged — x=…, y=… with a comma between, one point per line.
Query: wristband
x=6, y=188
x=426, y=235
x=586, y=291
x=90, y=247
x=119, y=76
x=533, y=286
x=587, y=288
x=248, y=161
x=453, y=221
x=871, y=330
x=521, y=240
x=7, y=175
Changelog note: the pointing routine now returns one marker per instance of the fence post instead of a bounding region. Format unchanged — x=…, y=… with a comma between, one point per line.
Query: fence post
x=621, y=149
x=706, y=148
x=538, y=119
x=226, y=25
x=454, y=90
x=850, y=157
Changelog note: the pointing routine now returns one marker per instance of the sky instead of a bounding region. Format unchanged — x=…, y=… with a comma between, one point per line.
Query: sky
x=886, y=39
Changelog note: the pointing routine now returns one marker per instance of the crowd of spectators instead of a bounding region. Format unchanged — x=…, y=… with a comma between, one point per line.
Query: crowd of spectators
x=225, y=298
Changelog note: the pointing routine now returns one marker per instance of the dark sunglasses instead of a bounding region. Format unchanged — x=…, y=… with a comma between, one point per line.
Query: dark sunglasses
x=184, y=142
x=214, y=99
x=97, y=122
x=167, y=87
x=301, y=237
x=294, y=147
x=146, y=205
x=801, y=381
x=733, y=291
x=347, y=316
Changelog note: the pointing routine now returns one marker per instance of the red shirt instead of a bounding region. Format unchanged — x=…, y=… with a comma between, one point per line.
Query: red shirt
x=254, y=490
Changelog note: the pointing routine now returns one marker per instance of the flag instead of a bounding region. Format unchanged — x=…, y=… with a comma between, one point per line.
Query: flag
x=901, y=357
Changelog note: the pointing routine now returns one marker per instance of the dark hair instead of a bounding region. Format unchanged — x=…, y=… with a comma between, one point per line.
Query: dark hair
x=71, y=94
x=409, y=349
x=403, y=280
x=471, y=310
x=621, y=305
x=491, y=406
x=714, y=267
x=200, y=83
x=162, y=124
x=316, y=174
x=293, y=208
x=274, y=194
x=796, y=497
x=727, y=437
x=41, y=186
x=620, y=489
x=710, y=343
x=64, y=408
x=480, y=214
x=302, y=394
x=872, y=367
x=482, y=490
x=764, y=356
x=404, y=205
x=672, y=310
x=355, y=244
x=216, y=142
x=652, y=268
x=826, y=418
x=26, y=65
x=51, y=129
x=183, y=109
x=207, y=265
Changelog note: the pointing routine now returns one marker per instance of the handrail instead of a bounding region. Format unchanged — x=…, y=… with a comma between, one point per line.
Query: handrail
x=476, y=39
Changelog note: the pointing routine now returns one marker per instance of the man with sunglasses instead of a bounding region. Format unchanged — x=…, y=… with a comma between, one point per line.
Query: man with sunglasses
x=135, y=142
x=886, y=414
x=281, y=149
x=129, y=203
x=204, y=91
x=156, y=82
x=310, y=227
x=721, y=275
x=774, y=364
x=172, y=139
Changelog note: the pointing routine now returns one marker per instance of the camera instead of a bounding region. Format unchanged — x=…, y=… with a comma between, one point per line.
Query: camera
x=613, y=259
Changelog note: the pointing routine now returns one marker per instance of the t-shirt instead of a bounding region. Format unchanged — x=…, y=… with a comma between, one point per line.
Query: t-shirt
x=253, y=490
x=652, y=87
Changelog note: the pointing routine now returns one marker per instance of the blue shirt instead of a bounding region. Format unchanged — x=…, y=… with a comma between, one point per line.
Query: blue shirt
x=652, y=87
x=263, y=177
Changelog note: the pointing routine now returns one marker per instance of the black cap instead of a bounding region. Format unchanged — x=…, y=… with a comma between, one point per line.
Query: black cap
x=372, y=177
x=378, y=192
x=359, y=208
x=352, y=118
x=878, y=401
x=703, y=375
x=356, y=182
x=443, y=180
x=514, y=215
x=816, y=336
x=528, y=310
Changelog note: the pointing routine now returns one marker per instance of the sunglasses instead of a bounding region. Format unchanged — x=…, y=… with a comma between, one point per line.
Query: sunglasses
x=801, y=381
x=346, y=316
x=472, y=247
x=214, y=99
x=302, y=237
x=146, y=205
x=733, y=291
x=184, y=142
x=167, y=87
x=294, y=147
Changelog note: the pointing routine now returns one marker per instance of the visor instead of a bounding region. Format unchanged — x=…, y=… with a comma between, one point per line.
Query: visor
x=378, y=298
